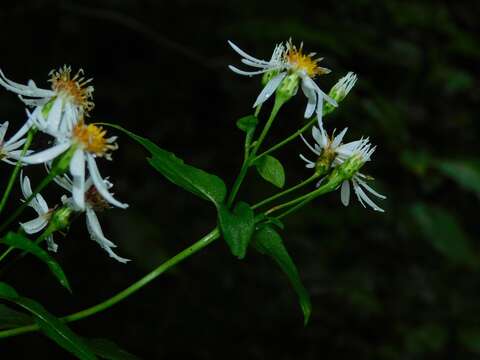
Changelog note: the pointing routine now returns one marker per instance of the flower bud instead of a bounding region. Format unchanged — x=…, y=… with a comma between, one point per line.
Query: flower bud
x=288, y=87
x=340, y=90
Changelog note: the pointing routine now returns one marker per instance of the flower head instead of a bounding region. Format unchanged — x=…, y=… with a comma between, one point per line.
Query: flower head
x=348, y=158
x=94, y=202
x=58, y=109
x=288, y=61
x=87, y=143
x=40, y=206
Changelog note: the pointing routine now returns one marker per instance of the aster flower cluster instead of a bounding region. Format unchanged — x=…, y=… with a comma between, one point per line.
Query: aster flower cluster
x=61, y=113
x=289, y=68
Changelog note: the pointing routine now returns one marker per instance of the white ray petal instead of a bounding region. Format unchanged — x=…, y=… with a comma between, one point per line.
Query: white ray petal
x=306, y=160
x=245, y=55
x=23, y=89
x=370, y=190
x=338, y=139
x=345, y=192
x=362, y=196
x=247, y=73
x=315, y=151
x=34, y=226
x=77, y=169
x=269, y=89
x=55, y=115
x=46, y=155
x=100, y=184
x=96, y=233
x=3, y=130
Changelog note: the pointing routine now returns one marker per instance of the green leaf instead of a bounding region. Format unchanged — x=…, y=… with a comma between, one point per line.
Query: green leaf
x=465, y=173
x=50, y=325
x=268, y=242
x=7, y=291
x=271, y=170
x=198, y=182
x=237, y=227
x=247, y=123
x=107, y=349
x=10, y=318
x=444, y=233
x=20, y=242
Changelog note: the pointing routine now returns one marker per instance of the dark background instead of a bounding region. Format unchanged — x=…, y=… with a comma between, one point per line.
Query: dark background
x=399, y=285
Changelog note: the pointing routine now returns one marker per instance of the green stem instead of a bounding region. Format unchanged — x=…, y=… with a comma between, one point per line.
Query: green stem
x=16, y=169
x=329, y=186
x=288, y=139
x=294, y=208
x=200, y=244
x=287, y=191
x=247, y=162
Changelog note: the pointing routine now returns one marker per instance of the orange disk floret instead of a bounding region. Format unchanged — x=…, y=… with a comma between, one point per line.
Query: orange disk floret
x=73, y=87
x=93, y=139
x=300, y=61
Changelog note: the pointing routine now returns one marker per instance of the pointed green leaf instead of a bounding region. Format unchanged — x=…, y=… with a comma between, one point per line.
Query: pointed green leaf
x=268, y=242
x=7, y=291
x=107, y=349
x=445, y=234
x=237, y=227
x=465, y=173
x=271, y=170
x=50, y=325
x=247, y=123
x=198, y=182
x=10, y=318
x=20, y=242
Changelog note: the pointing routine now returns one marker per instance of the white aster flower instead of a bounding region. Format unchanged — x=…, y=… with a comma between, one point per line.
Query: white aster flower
x=44, y=213
x=89, y=142
x=8, y=149
x=94, y=203
x=287, y=60
x=57, y=109
x=336, y=153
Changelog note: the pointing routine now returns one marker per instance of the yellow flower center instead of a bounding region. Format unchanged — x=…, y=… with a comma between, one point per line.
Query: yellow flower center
x=92, y=139
x=303, y=62
x=73, y=87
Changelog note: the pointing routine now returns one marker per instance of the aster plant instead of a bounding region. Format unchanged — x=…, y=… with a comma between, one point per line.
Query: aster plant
x=79, y=146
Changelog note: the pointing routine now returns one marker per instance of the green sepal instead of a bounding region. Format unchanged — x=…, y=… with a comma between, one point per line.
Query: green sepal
x=237, y=227
x=267, y=241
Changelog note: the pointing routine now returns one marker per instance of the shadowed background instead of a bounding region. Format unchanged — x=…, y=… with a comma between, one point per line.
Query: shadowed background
x=399, y=285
